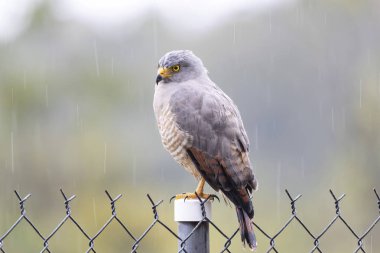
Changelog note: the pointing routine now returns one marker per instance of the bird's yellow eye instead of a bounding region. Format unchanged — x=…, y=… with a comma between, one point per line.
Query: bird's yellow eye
x=175, y=68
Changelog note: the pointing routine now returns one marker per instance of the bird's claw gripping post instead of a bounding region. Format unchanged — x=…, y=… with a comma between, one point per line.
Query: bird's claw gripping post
x=179, y=196
x=206, y=197
x=198, y=194
x=195, y=195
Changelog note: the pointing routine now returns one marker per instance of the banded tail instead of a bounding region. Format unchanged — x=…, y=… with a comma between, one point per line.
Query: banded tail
x=246, y=229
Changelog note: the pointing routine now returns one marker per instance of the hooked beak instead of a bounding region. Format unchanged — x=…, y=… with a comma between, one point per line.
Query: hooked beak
x=162, y=73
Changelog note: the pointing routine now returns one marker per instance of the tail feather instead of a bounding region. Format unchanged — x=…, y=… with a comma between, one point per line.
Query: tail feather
x=246, y=229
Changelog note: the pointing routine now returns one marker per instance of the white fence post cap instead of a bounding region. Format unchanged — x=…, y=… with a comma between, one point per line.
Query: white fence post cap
x=190, y=210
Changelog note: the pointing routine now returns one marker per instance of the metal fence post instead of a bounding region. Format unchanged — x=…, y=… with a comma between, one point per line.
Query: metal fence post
x=193, y=228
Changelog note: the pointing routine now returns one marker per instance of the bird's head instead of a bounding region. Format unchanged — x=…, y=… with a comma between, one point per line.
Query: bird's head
x=179, y=66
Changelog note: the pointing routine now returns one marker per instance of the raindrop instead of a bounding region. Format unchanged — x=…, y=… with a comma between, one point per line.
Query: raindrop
x=134, y=170
x=77, y=114
x=81, y=126
x=274, y=125
x=368, y=56
x=105, y=158
x=344, y=119
x=257, y=137
x=12, y=97
x=79, y=244
x=94, y=210
x=96, y=58
x=155, y=37
x=24, y=80
x=298, y=16
x=320, y=108
x=319, y=72
x=270, y=22
x=162, y=176
x=12, y=155
x=360, y=93
x=269, y=95
x=303, y=167
x=234, y=42
x=278, y=189
x=112, y=66
x=46, y=96
x=332, y=120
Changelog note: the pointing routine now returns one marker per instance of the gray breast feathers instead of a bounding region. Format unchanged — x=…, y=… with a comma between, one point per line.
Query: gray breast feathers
x=175, y=140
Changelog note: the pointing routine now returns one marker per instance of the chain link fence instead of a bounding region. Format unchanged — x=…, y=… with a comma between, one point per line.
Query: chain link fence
x=139, y=239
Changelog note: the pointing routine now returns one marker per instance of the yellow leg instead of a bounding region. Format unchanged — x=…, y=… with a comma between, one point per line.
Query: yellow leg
x=199, y=191
x=200, y=186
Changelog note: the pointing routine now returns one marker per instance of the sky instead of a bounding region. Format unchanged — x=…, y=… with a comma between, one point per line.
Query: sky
x=103, y=14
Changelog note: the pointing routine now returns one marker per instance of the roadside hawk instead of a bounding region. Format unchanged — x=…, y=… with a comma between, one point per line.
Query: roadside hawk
x=202, y=129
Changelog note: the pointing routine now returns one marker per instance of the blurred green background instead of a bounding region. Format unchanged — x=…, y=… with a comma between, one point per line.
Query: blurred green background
x=76, y=95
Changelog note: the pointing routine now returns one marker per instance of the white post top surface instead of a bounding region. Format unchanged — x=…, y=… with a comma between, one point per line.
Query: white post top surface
x=190, y=210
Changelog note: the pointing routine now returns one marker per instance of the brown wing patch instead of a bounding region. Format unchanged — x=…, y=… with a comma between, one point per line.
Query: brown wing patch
x=221, y=173
x=207, y=166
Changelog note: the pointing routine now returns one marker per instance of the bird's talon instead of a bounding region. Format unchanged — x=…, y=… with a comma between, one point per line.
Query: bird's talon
x=195, y=195
x=212, y=196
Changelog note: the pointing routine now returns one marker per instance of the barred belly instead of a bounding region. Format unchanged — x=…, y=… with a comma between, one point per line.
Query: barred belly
x=176, y=141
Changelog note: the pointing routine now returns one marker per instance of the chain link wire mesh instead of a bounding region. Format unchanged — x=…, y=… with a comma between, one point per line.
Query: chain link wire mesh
x=139, y=239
